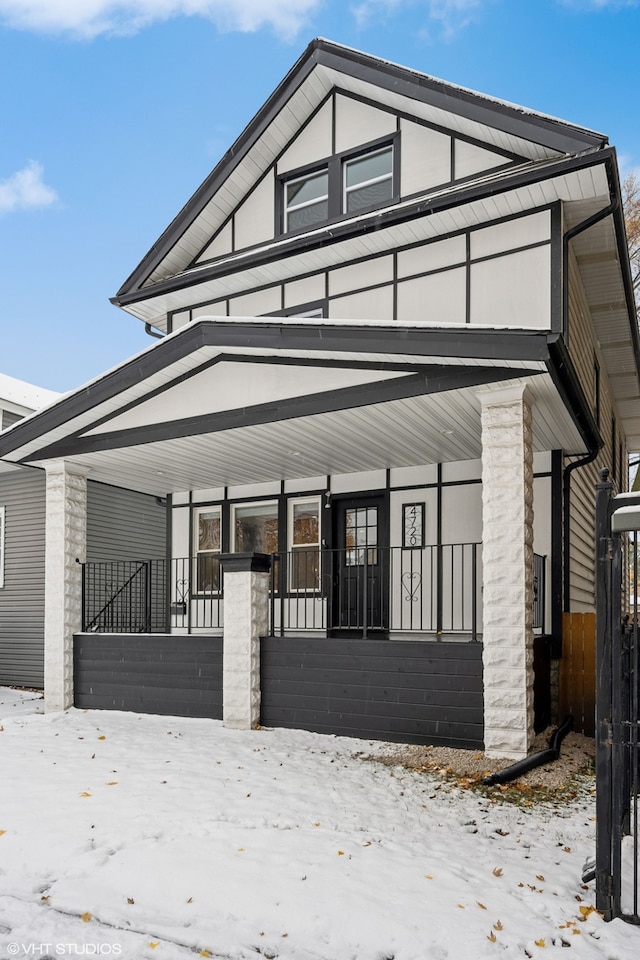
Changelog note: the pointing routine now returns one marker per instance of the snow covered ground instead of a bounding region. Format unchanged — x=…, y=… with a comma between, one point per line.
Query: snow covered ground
x=167, y=838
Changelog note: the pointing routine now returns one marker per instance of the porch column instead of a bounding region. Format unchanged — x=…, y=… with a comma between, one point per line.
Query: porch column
x=507, y=557
x=246, y=619
x=65, y=551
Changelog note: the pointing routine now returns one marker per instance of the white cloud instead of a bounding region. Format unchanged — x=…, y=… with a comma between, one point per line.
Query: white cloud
x=588, y=5
x=449, y=15
x=25, y=190
x=89, y=18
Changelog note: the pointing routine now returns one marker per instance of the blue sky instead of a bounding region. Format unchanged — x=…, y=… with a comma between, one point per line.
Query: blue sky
x=113, y=111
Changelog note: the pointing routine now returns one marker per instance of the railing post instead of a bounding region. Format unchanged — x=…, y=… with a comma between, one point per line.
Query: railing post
x=365, y=595
x=474, y=592
x=147, y=596
x=604, y=726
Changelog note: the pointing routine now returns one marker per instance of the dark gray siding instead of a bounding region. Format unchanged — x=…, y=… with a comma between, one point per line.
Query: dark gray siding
x=7, y=418
x=124, y=525
x=411, y=691
x=22, y=493
x=147, y=673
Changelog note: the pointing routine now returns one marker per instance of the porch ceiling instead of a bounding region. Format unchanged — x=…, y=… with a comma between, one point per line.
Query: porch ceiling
x=191, y=414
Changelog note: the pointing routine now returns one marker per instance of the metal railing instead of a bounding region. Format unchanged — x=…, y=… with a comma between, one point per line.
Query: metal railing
x=432, y=589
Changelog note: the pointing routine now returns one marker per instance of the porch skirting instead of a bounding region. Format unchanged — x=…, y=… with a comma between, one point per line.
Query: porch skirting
x=412, y=691
x=149, y=673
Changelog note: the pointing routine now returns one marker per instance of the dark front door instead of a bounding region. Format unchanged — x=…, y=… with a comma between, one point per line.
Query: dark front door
x=361, y=566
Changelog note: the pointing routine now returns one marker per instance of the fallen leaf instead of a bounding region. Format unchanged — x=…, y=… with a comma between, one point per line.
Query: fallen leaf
x=428, y=876
x=204, y=953
x=481, y=905
x=497, y=871
x=461, y=906
x=112, y=783
x=539, y=877
x=130, y=900
x=190, y=900
x=85, y=793
x=102, y=737
x=498, y=925
x=44, y=899
x=341, y=853
x=86, y=917
x=567, y=849
x=540, y=943
x=492, y=937
x=154, y=943
x=2, y=833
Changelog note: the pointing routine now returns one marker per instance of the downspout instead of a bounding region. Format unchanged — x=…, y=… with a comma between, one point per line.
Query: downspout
x=595, y=448
x=152, y=333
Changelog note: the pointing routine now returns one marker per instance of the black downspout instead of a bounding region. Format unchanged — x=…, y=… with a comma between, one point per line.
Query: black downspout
x=593, y=452
x=152, y=333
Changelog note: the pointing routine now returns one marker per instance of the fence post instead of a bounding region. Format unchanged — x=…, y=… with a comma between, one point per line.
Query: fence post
x=246, y=620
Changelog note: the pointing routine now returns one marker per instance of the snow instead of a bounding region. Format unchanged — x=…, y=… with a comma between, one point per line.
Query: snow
x=167, y=838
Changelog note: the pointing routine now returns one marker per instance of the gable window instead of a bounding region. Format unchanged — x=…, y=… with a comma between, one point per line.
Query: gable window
x=208, y=533
x=361, y=179
x=306, y=201
x=368, y=180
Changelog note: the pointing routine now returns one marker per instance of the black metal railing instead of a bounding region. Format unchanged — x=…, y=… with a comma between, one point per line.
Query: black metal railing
x=433, y=589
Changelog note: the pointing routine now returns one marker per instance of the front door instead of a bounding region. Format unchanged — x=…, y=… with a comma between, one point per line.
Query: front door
x=360, y=566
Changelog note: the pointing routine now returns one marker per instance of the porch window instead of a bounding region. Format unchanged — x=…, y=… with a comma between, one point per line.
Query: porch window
x=255, y=527
x=2, y=546
x=208, y=523
x=304, y=544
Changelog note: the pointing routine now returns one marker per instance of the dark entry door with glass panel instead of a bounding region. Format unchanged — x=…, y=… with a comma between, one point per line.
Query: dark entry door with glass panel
x=360, y=566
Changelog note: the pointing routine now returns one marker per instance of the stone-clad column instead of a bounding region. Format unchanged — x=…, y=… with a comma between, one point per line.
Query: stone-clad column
x=246, y=619
x=66, y=539
x=507, y=557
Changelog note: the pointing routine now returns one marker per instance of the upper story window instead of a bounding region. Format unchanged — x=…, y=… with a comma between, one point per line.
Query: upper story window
x=361, y=179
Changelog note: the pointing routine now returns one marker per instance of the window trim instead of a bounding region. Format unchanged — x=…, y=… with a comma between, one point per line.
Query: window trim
x=346, y=190
x=335, y=167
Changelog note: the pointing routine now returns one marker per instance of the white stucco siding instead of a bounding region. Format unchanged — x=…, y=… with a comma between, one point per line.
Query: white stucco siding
x=432, y=256
x=220, y=245
x=376, y=304
x=513, y=290
x=471, y=159
x=304, y=291
x=439, y=298
x=313, y=143
x=425, y=158
x=254, y=219
x=358, y=123
x=359, y=275
x=256, y=304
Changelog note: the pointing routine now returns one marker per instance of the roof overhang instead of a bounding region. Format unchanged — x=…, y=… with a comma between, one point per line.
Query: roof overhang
x=228, y=402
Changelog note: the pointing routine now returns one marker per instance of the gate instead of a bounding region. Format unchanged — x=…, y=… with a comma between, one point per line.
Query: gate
x=617, y=707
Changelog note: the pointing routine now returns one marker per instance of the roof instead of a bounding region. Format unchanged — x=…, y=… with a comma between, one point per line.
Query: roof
x=23, y=394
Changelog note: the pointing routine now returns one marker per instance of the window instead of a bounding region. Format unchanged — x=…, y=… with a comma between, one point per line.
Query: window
x=255, y=527
x=342, y=186
x=2, y=546
x=208, y=532
x=306, y=201
x=304, y=544
x=361, y=536
x=368, y=181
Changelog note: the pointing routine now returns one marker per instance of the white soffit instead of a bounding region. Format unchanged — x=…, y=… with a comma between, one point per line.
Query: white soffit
x=425, y=429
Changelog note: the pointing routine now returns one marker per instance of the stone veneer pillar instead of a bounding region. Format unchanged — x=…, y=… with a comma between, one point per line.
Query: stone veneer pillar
x=65, y=551
x=507, y=559
x=246, y=619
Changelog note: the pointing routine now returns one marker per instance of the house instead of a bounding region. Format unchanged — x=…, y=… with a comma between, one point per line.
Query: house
x=396, y=342
x=119, y=522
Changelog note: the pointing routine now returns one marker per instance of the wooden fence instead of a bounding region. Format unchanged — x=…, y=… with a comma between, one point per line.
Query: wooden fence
x=577, y=694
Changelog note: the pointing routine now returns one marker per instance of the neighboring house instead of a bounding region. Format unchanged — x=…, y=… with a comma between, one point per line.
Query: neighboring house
x=398, y=345
x=121, y=521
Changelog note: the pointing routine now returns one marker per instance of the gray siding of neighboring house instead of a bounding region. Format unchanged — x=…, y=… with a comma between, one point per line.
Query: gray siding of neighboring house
x=22, y=493
x=121, y=525
x=124, y=525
